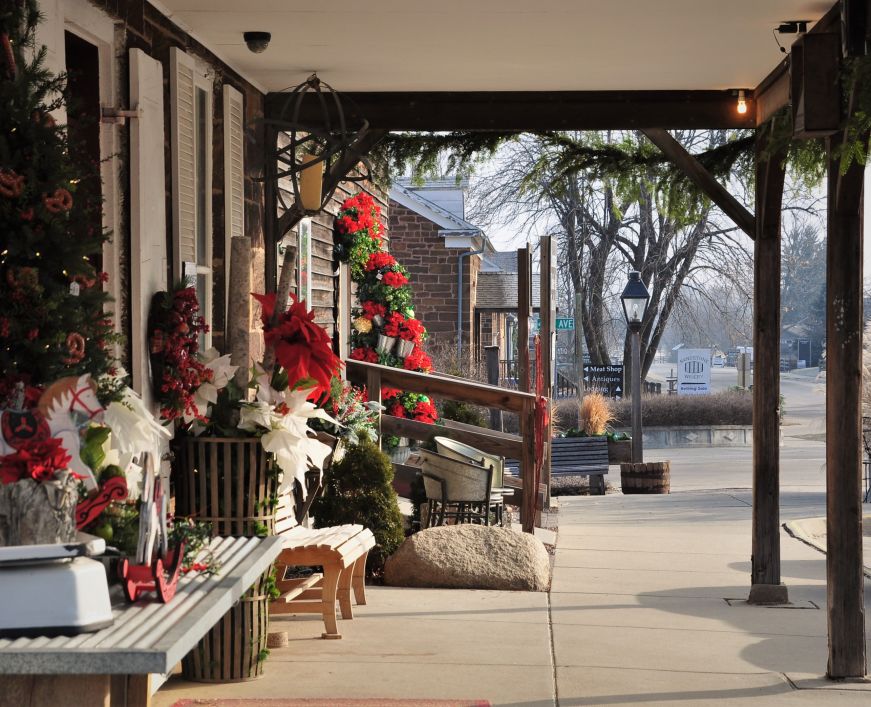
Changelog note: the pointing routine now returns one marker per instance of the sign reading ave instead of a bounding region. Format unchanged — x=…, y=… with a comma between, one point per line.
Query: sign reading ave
x=565, y=324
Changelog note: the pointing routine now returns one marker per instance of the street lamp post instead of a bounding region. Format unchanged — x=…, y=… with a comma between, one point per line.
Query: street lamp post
x=635, y=298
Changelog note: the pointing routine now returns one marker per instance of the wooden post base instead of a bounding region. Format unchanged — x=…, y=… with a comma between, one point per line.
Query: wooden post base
x=52, y=690
x=768, y=594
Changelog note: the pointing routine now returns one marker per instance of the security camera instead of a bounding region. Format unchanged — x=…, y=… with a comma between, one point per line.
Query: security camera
x=257, y=41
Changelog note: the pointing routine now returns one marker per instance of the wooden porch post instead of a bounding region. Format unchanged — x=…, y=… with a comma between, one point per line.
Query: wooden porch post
x=524, y=307
x=766, y=587
x=547, y=312
x=846, y=615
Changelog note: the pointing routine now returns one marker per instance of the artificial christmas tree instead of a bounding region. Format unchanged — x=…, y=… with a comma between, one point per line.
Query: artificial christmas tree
x=53, y=319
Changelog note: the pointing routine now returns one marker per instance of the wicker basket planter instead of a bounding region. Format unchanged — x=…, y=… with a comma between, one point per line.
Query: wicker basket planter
x=232, y=483
x=653, y=477
x=229, y=482
x=234, y=649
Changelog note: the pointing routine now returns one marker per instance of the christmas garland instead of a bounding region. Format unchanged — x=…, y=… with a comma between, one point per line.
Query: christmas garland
x=385, y=329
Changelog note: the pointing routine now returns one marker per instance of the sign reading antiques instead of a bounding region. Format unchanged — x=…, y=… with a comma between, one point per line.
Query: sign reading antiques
x=607, y=380
x=693, y=371
x=565, y=324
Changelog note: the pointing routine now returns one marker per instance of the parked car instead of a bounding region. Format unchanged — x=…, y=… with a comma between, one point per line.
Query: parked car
x=718, y=361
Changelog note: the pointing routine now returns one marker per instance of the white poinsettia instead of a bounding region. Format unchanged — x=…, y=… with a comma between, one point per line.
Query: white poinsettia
x=207, y=394
x=285, y=416
x=134, y=428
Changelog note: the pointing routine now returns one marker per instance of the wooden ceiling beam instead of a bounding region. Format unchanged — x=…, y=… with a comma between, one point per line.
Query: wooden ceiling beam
x=703, y=179
x=519, y=111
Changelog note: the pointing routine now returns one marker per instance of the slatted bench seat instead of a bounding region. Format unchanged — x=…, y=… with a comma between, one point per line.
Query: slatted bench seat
x=577, y=456
x=341, y=552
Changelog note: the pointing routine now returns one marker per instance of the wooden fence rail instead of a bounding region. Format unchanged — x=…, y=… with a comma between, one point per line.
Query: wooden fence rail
x=521, y=447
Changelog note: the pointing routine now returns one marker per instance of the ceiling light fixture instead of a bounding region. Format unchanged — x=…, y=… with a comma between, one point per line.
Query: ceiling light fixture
x=742, y=102
x=793, y=27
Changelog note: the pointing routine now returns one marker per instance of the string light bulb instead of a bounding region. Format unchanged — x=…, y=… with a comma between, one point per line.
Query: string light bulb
x=742, y=103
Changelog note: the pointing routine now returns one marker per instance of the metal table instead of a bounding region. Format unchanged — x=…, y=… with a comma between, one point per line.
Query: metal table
x=114, y=666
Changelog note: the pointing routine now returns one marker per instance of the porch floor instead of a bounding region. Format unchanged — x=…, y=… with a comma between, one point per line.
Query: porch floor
x=646, y=607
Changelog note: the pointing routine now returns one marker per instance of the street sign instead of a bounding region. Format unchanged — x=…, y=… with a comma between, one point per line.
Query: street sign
x=607, y=380
x=565, y=324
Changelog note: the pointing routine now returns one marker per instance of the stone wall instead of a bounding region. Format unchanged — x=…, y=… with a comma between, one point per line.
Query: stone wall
x=432, y=269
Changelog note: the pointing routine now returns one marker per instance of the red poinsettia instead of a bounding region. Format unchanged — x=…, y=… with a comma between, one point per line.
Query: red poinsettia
x=35, y=459
x=364, y=353
x=412, y=330
x=418, y=360
x=394, y=279
x=302, y=348
x=380, y=259
x=425, y=411
x=373, y=309
x=387, y=392
x=394, y=325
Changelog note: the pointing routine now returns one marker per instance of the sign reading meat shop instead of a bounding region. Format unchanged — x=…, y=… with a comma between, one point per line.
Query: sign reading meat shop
x=693, y=371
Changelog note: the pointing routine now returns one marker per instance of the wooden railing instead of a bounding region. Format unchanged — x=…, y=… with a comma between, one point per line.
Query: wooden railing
x=520, y=447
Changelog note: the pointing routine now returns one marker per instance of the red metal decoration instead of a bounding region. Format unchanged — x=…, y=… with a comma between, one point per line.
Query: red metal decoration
x=115, y=489
x=161, y=575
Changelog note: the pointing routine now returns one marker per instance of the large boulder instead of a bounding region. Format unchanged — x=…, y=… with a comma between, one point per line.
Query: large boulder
x=470, y=557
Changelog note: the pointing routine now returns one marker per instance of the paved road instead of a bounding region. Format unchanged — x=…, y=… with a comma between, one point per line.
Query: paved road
x=802, y=449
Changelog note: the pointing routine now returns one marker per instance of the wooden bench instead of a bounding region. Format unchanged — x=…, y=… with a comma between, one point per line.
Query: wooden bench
x=577, y=456
x=340, y=551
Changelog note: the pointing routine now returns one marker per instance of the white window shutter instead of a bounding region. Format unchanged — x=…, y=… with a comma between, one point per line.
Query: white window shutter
x=182, y=92
x=147, y=209
x=234, y=172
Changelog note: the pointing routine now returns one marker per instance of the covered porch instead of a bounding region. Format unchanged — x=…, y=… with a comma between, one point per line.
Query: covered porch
x=722, y=70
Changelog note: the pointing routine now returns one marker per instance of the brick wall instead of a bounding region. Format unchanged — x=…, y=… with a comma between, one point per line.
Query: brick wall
x=432, y=268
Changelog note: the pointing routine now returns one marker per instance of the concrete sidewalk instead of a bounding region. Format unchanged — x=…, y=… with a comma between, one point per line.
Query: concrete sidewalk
x=647, y=607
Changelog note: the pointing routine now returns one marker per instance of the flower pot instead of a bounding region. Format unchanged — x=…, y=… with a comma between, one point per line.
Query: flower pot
x=378, y=320
x=404, y=348
x=34, y=513
x=653, y=477
x=385, y=344
x=400, y=453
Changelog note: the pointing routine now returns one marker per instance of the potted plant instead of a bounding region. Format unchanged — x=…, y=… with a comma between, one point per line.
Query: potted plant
x=238, y=449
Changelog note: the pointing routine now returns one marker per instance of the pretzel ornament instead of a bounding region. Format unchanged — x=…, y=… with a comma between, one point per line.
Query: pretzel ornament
x=11, y=184
x=61, y=200
x=76, y=347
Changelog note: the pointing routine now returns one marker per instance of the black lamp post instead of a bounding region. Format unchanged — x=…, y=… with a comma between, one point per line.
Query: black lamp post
x=635, y=298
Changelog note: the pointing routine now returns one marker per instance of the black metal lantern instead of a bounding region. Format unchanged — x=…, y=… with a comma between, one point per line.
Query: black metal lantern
x=314, y=134
x=635, y=298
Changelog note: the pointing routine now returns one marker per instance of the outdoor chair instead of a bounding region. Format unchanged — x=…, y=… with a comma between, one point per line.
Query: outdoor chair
x=458, y=492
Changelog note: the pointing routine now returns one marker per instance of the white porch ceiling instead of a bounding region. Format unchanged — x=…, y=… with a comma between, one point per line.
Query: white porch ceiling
x=499, y=45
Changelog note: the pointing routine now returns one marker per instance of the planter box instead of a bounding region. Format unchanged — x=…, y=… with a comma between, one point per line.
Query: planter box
x=619, y=452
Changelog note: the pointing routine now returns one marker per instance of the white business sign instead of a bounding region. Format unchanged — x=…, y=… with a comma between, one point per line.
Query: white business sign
x=693, y=371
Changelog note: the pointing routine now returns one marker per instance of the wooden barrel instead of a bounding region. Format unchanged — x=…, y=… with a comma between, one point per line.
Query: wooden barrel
x=652, y=477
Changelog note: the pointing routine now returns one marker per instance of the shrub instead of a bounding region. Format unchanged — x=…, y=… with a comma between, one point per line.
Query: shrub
x=359, y=489
x=729, y=407
x=464, y=412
